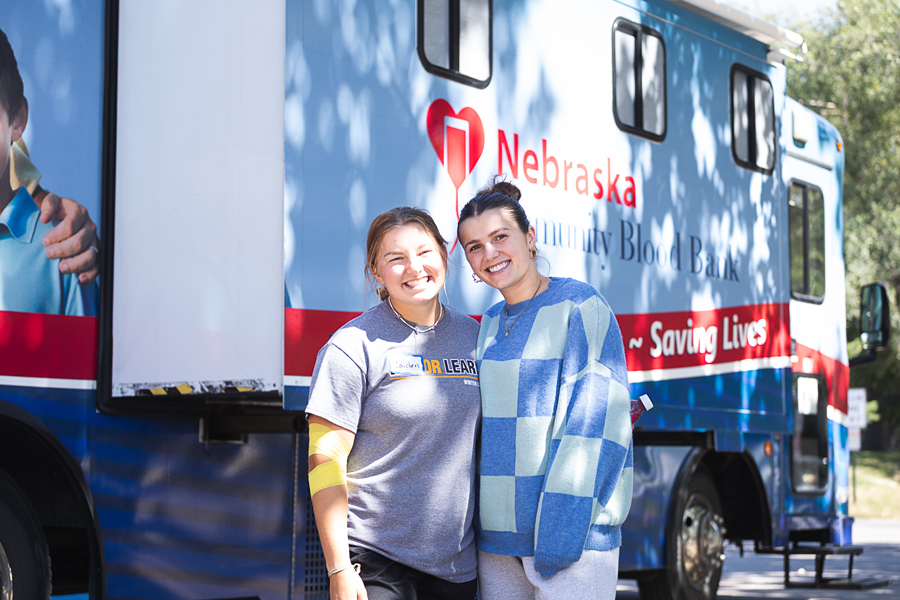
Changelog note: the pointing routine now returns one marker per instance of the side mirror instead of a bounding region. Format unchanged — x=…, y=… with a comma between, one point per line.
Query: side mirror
x=874, y=317
x=874, y=322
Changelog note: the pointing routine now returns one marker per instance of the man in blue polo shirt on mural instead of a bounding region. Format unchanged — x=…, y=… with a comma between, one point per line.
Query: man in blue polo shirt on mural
x=29, y=281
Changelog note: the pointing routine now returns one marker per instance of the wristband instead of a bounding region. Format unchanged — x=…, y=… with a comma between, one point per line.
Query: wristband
x=354, y=566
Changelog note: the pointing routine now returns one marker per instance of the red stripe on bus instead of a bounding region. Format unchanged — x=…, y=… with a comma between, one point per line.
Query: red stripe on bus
x=51, y=346
x=837, y=374
x=306, y=331
x=673, y=340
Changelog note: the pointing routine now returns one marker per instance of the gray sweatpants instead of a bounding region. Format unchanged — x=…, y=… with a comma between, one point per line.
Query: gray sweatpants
x=593, y=577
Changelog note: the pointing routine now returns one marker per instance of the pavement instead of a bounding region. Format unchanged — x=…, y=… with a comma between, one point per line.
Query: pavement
x=759, y=577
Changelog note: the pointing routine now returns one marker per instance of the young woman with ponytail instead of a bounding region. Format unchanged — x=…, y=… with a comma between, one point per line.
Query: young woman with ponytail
x=394, y=411
x=555, y=468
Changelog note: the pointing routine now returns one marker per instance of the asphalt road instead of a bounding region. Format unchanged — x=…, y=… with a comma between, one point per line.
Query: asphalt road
x=758, y=577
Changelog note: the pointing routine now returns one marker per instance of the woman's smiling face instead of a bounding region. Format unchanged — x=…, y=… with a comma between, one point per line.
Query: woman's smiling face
x=499, y=252
x=410, y=266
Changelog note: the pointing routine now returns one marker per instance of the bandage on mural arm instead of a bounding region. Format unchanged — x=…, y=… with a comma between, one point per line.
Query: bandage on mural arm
x=329, y=443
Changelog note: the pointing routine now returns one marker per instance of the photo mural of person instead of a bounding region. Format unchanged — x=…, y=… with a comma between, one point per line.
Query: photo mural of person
x=31, y=277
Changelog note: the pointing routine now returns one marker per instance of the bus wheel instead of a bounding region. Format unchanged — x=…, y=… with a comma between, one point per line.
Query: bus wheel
x=702, y=543
x=24, y=558
x=695, y=547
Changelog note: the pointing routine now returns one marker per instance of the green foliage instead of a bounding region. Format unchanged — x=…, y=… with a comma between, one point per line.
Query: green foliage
x=877, y=479
x=872, y=414
x=851, y=76
x=889, y=414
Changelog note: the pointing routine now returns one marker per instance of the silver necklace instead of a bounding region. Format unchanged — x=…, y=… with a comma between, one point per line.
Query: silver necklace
x=415, y=327
x=516, y=320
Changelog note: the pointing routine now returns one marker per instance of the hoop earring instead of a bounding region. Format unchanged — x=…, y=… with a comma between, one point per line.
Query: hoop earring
x=475, y=278
x=534, y=253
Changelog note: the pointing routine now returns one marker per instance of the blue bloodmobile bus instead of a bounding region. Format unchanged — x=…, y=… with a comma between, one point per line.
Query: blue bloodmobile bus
x=232, y=154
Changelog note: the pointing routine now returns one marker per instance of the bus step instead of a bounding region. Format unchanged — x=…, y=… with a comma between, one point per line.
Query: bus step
x=820, y=581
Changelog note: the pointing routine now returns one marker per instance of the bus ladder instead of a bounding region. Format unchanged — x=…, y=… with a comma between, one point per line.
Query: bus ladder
x=821, y=582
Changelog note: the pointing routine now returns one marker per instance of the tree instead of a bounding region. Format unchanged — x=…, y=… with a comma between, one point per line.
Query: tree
x=851, y=76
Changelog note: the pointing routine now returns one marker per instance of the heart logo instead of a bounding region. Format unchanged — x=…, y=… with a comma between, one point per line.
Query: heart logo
x=458, y=140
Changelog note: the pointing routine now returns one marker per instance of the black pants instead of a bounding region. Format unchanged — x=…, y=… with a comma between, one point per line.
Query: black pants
x=386, y=579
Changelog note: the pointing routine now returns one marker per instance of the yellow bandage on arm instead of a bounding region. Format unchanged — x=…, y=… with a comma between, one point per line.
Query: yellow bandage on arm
x=327, y=442
x=328, y=474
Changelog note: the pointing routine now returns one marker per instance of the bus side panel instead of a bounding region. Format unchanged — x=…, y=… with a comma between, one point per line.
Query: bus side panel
x=357, y=142
x=705, y=404
x=840, y=467
x=179, y=519
x=643, y=533
x=746, y=401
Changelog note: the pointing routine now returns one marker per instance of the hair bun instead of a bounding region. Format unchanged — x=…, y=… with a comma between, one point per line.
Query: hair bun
x=508, y=189
x=498, y=194
x=499, y=185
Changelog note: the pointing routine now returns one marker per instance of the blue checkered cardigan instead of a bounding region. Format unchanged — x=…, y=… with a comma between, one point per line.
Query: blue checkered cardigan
x=556, y=457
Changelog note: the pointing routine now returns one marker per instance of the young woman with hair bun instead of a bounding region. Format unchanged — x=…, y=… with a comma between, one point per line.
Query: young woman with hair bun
x=394, y=412
x=555, y=467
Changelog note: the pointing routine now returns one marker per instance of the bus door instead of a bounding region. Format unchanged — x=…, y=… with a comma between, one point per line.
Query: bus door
x=820, y=374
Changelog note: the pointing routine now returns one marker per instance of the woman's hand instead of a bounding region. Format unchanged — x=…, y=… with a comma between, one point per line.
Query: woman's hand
x=347, y=585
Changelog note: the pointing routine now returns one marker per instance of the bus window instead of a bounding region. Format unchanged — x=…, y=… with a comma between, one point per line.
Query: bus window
x=806, y=222
x=815, y=211
x=639, y=80
x=454, y=39
x=752, y=120
x=809, y=443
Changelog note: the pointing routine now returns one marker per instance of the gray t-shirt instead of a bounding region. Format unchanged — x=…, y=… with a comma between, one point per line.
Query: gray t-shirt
x=413, y=401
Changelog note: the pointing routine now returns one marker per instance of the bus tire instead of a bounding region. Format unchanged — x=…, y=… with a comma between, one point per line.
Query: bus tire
x=695, y=546
x=24, y=556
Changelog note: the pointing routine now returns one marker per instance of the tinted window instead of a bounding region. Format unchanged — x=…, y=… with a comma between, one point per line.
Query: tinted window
x=809, y=442
x=752, y=120
x=797, y=227
x=740, y=117
x=815, y=207
x=639, y=80
x=454, y=39
x=806, y=222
